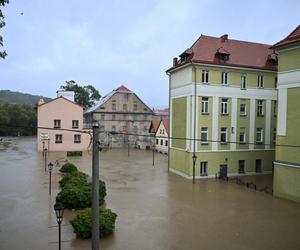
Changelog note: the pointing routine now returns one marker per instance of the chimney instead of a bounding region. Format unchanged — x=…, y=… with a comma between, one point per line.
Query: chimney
x=224, y=38
x=175, y=61
x=66, y=94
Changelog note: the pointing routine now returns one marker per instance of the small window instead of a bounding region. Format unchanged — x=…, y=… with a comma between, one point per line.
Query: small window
x=258, y=166
x=243, y=82
x=156, y=141
x=145, y=117
x=224, y=79
x=124, y=107
x=205, y=74
x=56, y=123
x=166, y=143
x=223, y=135
x=224, y=106
x=77, y=138
x=275, y=82
x=275, y=108
x=259, y=135
x=161, y=142
x=260, y=81
x=135, y=107
x=113, y=117
x=114, y=107
x=75, y=123
x=241, y=166
x=58, y=138
x=243, y=111
x=204, y=132
x=242, y=135
x=102, y=117
x=204, y=107
x=260, y=107
x=203, y=168
x=113, y=128
x=274, y=136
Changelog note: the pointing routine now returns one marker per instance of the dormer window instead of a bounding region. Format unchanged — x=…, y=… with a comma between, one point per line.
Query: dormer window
x=186, y=55
x=223, y=55
x=272, y=59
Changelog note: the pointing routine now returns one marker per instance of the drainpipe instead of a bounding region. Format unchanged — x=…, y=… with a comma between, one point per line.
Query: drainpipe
x=195, y=124
x=169, y=141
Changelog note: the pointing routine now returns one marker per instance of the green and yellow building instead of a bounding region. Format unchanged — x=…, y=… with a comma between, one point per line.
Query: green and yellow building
x=223, y=108
x=287, y=161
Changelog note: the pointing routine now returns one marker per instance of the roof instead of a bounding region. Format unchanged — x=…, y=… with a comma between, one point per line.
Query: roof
x=60, y=97
x=165, y=122
x=241, y=53
x=154, y=124
x=293, y=37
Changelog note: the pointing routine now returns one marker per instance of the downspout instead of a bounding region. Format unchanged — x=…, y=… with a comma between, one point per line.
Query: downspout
x=169, y=126
x=195, y=124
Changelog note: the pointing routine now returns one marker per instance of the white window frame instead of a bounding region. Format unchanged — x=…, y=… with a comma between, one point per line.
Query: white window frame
x=57, y=123
x=245, y=109
x=260, y=107
x=222, y=132
x=205, y=107
x=204, y=135
x=259, y=131
x=75, y=124
x=224, y=78
x=260, y=81
x=242, y=133
x=243, y=82
x=205, y=76
x=57, y=140
x=77, y=138
x=203, y=168
x=224, y=106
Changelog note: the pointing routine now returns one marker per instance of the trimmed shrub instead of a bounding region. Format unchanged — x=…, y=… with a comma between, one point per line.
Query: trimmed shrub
x=82, y=223
x=73, y=178
x=68, y=168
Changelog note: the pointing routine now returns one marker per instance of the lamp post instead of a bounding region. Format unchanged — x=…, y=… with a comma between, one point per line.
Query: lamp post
x=59, y=212
x=50, y=167
x=43, y=148
x=45, y=153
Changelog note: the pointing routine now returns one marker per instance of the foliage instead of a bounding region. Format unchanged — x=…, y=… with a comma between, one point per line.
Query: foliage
x=82, y=223
x=74, y=153
x=77, y=192
x=68, y=168
x=86, y=96
x=17, y=119
x=3, y=54
x=20, y=98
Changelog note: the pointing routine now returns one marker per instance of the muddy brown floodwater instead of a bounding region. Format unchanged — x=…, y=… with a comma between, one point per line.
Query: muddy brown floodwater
x=156, y=210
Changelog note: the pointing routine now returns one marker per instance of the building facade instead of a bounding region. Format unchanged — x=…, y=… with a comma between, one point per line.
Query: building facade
x=223, y=108
x=58, y=114
x=124, y=119
x=287, y=162
x=161, y=136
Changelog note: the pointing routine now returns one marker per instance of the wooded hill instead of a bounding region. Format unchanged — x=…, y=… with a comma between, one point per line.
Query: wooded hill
x=7, y=96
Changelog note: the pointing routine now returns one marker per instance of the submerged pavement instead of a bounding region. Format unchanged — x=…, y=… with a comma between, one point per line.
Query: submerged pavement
x=156, y=209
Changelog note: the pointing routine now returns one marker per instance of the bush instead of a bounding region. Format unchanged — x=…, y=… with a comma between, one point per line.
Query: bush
x=77, y=192
x=82, y=223
x=68, y=168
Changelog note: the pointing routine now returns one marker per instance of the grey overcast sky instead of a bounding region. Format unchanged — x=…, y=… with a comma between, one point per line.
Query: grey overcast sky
x=109, y=43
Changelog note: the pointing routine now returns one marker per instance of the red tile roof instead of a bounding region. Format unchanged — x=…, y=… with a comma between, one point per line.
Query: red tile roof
x=122, y=88
x=242, y=53
x=293, y=37
x=165, y=121
x=154, y=125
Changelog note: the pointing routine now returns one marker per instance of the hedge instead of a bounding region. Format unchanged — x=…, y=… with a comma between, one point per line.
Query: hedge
x=68, y=168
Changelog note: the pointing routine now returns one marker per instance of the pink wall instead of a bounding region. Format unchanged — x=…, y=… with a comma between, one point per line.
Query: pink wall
x=66, y=111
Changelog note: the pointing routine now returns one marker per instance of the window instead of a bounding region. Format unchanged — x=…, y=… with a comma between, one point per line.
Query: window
x=156, y=141
x=77, y=138
x=275, y=82
x=258, y=166
x=58, y=138
x=56, y=123
x=135, y=107
x=242, y=135
x=204, y=131
x=114, y=107
x=223, y=135
x=243, y=82
x=203, y=168
x=243, y=111
x=260, y=81
x=224, y=106
x=204, y=105
x=124, y=107
x=275, y=108
x=145, y=117
x=224, y=79
x=259, y=135
x=113, y=117
x=205, y=76
x=75, y=124
x=161, y=142
x=260, y=107
x=102, y=116
x=145, y=128
x=126, y=97
x=113, y=128
x=241, y=166
x=166, y=143
x=274, y=135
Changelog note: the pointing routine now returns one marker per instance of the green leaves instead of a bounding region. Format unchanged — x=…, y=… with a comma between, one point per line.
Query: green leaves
x=3, y=54
x=68, y=168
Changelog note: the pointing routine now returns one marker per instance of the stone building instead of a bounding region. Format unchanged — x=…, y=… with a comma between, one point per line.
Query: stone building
x=124, y=119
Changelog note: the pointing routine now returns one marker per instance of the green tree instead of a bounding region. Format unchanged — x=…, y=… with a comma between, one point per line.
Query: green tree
x=86, y=96
x=2, y=24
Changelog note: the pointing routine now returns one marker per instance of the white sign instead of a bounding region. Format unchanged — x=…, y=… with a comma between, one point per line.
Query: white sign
x=45, y=136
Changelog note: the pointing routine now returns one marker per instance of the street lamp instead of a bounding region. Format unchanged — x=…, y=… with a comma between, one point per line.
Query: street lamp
x=50, y=167
x=59, y=212
x=45, y=153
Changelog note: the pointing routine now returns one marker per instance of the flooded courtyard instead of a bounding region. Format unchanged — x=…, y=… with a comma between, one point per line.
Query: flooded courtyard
x=156, y=209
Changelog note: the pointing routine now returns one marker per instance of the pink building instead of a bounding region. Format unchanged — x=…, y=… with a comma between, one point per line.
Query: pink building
x=61, y=113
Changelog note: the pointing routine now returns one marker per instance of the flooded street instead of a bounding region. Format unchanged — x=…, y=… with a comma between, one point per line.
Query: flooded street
x=156, y=210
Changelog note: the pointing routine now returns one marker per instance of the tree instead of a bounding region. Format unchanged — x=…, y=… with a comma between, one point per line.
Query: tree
x=2, y=24
x=86, y=96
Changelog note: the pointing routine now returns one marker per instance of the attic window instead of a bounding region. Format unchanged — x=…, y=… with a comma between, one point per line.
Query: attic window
x=186, y=55
x=222, y=54
x=272, y=59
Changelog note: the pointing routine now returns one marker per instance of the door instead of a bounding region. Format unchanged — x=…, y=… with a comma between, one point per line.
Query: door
x=223, y=170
